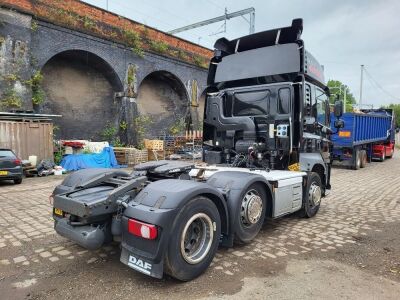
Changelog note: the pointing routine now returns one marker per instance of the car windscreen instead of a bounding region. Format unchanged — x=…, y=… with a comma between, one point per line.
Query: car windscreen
x=273, y=60
x=7, y=154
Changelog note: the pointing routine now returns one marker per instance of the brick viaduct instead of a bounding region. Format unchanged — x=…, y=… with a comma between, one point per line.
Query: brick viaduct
x=98, y=70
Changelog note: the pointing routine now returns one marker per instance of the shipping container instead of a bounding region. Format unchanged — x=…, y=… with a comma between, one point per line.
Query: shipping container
x=27, y=138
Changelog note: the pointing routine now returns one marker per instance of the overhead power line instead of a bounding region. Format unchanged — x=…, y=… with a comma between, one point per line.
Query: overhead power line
x=379, y=86
x=226, y=16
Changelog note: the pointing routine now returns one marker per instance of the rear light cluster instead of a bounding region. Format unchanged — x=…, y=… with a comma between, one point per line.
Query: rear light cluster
x=17, y=161
x=144, y=230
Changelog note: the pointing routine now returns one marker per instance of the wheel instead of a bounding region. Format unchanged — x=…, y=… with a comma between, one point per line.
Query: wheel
x=312, y=196
x=357, y=161
x=364, y=158
x=383, y=157
x=391, y=154
x=18, y=181
x=250, y=216
x=194, y=240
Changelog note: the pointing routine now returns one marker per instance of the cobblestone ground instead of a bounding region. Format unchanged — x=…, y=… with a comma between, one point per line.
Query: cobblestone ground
x=359, y=201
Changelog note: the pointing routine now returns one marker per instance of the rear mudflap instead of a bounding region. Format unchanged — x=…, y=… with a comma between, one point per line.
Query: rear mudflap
x=142, y=264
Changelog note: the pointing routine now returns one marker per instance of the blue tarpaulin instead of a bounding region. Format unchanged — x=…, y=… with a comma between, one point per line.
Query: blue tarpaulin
x=105, y=159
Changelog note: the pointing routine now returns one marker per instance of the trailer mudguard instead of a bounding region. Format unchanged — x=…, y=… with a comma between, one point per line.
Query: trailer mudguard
x=158, y=204
x=233, y=184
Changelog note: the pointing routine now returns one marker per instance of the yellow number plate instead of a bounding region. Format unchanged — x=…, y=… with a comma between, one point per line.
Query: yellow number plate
x=58, y=211
x=3, y=172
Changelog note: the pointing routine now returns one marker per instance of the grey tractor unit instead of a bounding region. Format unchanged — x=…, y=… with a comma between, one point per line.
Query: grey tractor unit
x=266, y=154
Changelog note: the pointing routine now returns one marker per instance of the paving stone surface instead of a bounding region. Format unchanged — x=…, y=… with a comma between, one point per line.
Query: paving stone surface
x=359, y=199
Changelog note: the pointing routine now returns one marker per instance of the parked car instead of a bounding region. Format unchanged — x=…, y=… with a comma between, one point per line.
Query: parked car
x=10, y=166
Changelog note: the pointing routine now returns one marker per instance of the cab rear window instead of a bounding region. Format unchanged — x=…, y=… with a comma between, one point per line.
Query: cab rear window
x=7, y=153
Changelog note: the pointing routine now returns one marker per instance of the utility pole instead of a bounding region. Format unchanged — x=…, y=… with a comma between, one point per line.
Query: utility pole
x=344, y=98
x=361, y=86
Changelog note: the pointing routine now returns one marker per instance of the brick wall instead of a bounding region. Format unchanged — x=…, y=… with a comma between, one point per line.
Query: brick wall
x=81, y=16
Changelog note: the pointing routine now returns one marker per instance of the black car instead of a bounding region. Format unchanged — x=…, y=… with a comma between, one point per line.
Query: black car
x=10, y=166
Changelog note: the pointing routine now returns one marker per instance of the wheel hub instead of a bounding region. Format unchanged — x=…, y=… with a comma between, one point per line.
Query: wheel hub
x=196, y=238
x=315, y=194
x=252, y=207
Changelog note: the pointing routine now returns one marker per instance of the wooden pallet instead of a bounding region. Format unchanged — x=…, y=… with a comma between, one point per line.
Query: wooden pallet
x=156, y=145
x=130, y=156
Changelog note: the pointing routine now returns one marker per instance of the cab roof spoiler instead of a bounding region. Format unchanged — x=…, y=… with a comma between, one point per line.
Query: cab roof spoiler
x=266, y=38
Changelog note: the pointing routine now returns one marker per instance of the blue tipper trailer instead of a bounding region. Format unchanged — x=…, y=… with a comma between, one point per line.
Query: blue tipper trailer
x=365, y=136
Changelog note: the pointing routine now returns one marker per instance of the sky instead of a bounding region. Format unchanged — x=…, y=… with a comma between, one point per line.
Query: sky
x=341, y=34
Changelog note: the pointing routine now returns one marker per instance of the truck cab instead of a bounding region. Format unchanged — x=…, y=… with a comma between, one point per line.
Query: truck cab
x=267, y=105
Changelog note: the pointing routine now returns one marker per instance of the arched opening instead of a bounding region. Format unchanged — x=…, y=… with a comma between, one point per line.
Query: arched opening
x=80, y=86
x=163, y=99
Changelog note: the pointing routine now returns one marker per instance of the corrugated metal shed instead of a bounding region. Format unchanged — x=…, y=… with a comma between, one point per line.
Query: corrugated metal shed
x=27, y=138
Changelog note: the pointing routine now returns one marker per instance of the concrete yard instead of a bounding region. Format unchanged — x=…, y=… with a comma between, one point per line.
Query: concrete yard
x=350, y=250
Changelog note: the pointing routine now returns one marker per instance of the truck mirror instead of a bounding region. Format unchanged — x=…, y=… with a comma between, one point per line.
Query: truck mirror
x=339, y=124
x=338, y=109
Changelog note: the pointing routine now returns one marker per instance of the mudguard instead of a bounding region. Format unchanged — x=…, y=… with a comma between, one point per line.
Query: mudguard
x=233, y=184
x=158, y=204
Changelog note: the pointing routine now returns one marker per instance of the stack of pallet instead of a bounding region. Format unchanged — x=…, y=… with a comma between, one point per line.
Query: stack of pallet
x=130, y=156
x=155, y=149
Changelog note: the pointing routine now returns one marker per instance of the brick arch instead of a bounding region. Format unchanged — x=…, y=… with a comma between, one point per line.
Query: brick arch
x=164, y=98
x=97, y=59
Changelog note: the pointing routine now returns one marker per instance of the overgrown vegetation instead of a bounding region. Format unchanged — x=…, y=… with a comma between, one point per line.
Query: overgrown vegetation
x=137, y=37
x=134, y=41
x=177, y=127
x=131, y=78
x=35, y=83
x=34, y=25
x=11, y=99
x=199, y=61
x=141, y=123
x=110, y=134
x=159, y=46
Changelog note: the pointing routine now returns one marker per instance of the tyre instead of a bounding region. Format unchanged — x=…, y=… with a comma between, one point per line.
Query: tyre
x=383, y=157
x=18, y=181
x=364, y=158
x=251, y=213
x=194, y=240
x=357, y=160
x=312, y=196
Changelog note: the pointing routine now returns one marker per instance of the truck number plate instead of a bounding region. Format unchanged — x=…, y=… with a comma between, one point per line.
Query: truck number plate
x=58, y=211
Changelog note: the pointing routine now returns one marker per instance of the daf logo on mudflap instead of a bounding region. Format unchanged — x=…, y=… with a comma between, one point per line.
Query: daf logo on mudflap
x=140, y=265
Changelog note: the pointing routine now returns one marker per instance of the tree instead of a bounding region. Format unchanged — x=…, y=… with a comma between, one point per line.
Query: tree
x=396, y=110
x=337, y=88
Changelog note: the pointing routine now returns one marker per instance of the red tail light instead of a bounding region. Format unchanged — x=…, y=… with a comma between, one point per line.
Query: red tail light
x=144, y=230
x=17, y=161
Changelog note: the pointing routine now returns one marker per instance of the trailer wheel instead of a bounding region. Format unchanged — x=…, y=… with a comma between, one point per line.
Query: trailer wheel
x=383, y=156
x=312, y=196
x=364, y=158
x=357, y=161
x=194, y=239
x=251, y=213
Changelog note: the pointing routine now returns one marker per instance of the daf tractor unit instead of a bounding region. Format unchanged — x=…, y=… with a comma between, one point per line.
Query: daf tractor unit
x=266, y=155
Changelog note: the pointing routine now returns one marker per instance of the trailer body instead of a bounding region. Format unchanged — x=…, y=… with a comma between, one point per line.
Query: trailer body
x=366, y=135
